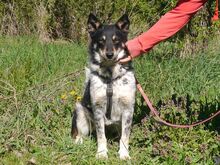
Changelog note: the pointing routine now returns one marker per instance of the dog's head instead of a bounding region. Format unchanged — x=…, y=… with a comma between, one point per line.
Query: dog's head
x=108, y=41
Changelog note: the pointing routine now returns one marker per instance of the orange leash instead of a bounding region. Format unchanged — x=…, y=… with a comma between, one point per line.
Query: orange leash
x=156, y=113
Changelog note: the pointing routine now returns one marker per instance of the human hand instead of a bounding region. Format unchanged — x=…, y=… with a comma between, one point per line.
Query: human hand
x=125, y=60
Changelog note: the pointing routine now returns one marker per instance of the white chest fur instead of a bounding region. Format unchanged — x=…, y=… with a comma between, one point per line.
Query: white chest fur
x=123, y=98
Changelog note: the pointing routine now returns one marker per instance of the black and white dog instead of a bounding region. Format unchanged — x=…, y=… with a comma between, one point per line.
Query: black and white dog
x=110, y=87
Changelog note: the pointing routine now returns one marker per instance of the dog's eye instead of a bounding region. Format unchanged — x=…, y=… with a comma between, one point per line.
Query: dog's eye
x=115, y=39
x=101, y=41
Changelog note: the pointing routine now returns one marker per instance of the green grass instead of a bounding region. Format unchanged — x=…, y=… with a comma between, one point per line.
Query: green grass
x=36, y=101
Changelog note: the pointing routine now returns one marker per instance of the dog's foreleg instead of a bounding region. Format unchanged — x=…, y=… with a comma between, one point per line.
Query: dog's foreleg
x=126, y=129
x=100, y=131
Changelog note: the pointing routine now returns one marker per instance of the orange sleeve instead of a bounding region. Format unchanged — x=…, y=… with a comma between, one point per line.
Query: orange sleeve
x=168, y=25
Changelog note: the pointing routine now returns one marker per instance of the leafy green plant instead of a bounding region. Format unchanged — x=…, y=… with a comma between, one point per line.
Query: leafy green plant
x=37, y=98
x=54, y=19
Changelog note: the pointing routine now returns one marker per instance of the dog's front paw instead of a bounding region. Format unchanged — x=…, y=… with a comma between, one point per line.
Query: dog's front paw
x=124, y=155
x=78, y=140
x=102, y=155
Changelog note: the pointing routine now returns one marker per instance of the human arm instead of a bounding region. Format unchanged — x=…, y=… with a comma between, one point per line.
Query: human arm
x=167, y=26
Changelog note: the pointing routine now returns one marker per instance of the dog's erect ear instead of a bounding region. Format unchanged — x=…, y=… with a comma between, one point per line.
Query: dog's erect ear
x=123, y=23
x=93, y=23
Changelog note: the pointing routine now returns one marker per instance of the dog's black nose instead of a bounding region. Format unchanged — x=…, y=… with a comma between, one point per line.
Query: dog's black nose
x=109, y=55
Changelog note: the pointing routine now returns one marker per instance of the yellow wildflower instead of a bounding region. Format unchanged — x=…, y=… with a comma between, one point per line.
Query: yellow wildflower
x=63, y=96
x=73, y=93
x=78, y=98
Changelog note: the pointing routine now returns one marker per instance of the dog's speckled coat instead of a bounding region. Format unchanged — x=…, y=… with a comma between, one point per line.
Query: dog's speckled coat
x=106, y=48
